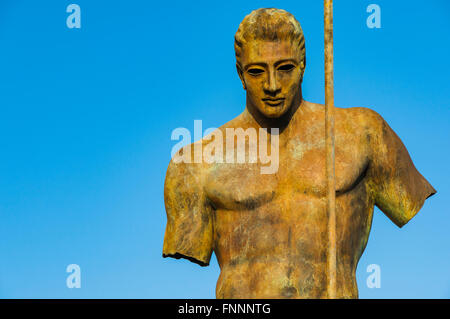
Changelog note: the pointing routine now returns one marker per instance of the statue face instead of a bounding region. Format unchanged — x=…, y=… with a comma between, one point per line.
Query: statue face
x=272, y=76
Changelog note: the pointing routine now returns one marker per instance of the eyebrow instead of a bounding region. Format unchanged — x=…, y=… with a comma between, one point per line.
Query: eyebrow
x=264, y=64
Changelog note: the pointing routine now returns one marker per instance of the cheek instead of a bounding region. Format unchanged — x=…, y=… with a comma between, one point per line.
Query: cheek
x=290, y=82
x=254, y=85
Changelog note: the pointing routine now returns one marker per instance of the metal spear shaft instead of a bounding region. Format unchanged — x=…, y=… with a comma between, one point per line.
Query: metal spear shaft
x=329, y=145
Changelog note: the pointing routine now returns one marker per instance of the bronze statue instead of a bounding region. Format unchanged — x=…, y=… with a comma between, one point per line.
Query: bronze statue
x=269, y=231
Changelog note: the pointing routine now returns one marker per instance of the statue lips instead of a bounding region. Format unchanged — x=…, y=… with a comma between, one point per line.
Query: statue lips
x=273, y=102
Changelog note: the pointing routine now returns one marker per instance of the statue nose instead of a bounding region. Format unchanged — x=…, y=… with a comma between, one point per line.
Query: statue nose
x=271, y=85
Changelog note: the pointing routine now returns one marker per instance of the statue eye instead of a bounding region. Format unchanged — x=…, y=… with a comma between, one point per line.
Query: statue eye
x=255, y=71
x=286, y=67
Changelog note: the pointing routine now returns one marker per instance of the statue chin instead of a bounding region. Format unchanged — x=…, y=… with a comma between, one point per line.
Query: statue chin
x=268, y=111
x=275, y=115
x=273, y=112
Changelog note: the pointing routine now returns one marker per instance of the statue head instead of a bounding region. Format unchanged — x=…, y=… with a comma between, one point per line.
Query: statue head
x=270, y=60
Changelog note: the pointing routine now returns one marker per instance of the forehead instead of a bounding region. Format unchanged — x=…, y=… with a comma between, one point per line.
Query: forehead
x=263, y=51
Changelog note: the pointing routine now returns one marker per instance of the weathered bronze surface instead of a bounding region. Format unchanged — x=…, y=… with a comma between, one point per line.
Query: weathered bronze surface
x=269, y=231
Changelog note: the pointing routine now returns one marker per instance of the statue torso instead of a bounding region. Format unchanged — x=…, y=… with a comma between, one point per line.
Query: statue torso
x=270, y=231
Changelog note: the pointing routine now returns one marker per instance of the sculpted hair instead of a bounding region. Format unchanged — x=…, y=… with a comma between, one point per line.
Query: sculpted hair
x=272, y=25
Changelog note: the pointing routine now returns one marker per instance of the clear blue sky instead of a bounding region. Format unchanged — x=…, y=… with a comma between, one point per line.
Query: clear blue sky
x=86, y=119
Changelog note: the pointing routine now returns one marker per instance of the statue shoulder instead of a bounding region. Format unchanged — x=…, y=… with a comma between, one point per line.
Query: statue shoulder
x=238, y=121
x=361, y=120
x=215, y=135
x=185, y=164
x=189, y=161
x=365, y=119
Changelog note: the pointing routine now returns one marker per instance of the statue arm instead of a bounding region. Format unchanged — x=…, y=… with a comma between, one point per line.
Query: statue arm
x=189, y=230
x=398, y=189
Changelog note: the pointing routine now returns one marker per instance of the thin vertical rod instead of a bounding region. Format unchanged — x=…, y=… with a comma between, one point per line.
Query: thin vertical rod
x=329, y=144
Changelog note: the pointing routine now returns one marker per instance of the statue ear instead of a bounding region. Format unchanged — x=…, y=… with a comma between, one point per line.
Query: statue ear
x=241, y=75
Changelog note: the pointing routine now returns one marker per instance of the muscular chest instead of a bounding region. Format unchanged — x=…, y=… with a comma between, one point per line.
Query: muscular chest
x=301, y=170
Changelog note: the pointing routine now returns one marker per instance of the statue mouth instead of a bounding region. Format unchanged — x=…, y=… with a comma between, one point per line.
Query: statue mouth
x=273, y=102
